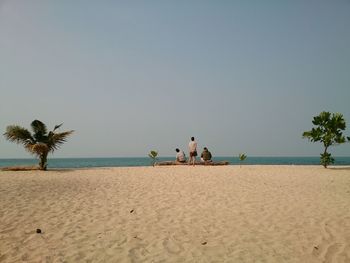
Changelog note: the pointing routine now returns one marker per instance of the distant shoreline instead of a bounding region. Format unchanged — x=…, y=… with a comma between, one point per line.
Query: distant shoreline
x=171, y=167
x=171, y=157
x=55, y=163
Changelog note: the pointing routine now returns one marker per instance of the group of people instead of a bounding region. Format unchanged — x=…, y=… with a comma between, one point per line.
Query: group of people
x=192, y=148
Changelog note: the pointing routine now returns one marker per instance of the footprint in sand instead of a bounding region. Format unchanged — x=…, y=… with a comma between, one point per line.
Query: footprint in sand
x=333, y=251
x=172, y=247
x=329, y=249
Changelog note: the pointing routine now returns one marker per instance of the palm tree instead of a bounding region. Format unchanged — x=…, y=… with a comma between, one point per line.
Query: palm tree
x=241, y=157
x=41, y=142
x=153, y=155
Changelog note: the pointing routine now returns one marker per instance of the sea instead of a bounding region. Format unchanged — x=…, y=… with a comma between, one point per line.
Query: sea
x=145, y=161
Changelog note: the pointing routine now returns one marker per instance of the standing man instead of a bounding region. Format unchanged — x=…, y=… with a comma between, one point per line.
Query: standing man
x=192, y=148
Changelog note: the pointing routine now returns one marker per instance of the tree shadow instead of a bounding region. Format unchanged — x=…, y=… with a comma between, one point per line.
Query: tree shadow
x=61, y=170
x=340, y=168
x=20, y=168
x=34, y=168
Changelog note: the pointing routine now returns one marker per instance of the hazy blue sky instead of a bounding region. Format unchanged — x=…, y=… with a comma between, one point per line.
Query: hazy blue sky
x=131, y=76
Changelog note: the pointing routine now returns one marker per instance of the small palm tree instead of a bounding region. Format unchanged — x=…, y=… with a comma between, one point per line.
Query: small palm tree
x=241, y=157
x=41, y=142
x=153, y=155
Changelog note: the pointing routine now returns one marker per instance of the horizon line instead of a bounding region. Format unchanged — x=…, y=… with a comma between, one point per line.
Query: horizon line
x=221, y=156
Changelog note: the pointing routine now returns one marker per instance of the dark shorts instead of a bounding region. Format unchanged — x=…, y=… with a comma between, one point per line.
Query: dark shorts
x=193, y=154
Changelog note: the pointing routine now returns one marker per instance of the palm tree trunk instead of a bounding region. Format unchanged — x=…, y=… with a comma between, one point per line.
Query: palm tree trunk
x=324, y=153
x=43, y=161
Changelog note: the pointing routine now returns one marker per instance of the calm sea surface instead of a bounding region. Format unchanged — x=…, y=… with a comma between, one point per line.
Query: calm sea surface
x=130, y=162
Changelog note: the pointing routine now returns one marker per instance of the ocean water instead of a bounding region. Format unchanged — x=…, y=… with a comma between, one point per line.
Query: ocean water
x=144, y=161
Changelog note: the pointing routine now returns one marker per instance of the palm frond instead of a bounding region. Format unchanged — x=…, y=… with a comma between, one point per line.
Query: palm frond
x=242, y=156
x=55, y=140
x=38, y=128
x=153, y=154
x=57, y=126
x=38, y=148
x=18, y=134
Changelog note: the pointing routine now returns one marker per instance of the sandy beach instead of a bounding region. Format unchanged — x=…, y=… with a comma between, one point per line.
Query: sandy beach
x=176, y=214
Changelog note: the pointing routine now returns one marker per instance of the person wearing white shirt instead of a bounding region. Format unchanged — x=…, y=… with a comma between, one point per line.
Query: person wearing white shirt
x=192, y=148
x=180, y=156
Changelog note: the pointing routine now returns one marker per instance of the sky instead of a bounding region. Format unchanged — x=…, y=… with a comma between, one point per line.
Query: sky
x=135, y=76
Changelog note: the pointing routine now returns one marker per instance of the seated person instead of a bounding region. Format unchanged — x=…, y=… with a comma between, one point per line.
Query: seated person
x=180, y=156
x=206, y=155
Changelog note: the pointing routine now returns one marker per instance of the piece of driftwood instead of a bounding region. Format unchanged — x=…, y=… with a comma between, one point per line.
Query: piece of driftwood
x=20, y=168
x=197, y=163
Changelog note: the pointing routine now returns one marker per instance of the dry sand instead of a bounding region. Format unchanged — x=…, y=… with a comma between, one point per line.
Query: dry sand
x=176, y=214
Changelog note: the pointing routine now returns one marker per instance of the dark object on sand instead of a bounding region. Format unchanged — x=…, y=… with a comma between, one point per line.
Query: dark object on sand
x=20, y=168
x=38, y=231
x=197, y=163
x=131, y=211
x=204, y=243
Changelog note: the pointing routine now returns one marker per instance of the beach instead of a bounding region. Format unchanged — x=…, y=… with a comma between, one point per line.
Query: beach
x=252, y=213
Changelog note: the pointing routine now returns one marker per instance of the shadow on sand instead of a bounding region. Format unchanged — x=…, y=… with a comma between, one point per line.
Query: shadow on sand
x=34, y=168
x=340, y=168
